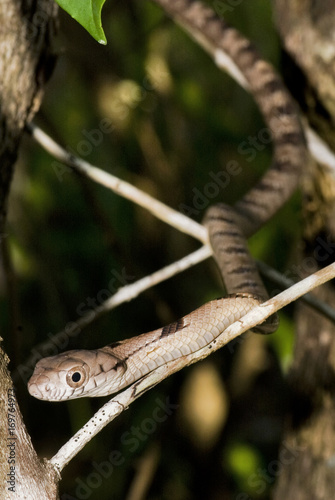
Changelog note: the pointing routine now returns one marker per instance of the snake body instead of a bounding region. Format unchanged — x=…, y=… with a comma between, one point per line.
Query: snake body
x=99, y=372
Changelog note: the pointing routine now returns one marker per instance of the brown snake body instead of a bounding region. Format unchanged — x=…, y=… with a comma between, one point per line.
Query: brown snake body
x=104, y=371
x=107, y=370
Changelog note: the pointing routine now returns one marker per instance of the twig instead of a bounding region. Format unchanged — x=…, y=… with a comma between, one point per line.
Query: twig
x=158, y=209
x=284, y=282
x=117, y=404
x=129, y=292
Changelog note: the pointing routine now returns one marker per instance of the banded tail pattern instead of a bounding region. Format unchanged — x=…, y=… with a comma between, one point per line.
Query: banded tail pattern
x=229, y=226
x=276, y=105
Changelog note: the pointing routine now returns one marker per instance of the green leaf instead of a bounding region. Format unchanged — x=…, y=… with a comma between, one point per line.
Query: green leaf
x=88, y=14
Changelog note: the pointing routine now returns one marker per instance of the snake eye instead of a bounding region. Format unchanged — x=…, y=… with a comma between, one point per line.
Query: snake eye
x=76, y=377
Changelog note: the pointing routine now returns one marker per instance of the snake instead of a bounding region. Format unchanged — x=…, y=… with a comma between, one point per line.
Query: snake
x=104, y=371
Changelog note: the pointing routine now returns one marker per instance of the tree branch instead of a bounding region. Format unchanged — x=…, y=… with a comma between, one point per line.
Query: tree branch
x=158, y=209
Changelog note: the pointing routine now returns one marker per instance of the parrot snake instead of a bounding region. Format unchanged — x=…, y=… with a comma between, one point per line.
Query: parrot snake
x=99, y=372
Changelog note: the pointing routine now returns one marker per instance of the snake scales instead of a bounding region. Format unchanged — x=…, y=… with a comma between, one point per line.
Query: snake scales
x=99, y=372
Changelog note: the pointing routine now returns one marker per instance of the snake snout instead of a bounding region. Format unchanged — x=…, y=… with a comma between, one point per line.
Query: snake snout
x=34, y=384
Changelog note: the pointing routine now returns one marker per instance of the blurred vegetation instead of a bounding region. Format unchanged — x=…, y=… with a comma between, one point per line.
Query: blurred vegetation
x=176, y=118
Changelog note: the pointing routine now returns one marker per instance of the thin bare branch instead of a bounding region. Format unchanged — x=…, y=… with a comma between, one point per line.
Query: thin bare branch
x=157, y=208
x=284, y=282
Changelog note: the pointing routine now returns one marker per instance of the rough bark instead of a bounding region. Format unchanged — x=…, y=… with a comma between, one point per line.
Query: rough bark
x=22, y=474
x=26, y=61
x=26, y=30
x=307, y=30
x=309, y=474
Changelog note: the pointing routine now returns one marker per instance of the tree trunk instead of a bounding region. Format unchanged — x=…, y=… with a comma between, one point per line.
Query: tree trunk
x=22, y=474
x=26, y=61
x=309, y=474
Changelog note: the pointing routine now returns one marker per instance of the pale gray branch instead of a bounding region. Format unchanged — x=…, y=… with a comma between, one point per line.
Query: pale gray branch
x=157, y=208
x=284, y=282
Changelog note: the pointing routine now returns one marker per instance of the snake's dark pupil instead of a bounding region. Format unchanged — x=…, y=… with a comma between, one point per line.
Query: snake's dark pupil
x=76, y=377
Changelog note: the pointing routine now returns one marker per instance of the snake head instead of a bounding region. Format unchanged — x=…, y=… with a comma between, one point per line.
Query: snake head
x=74, y=374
